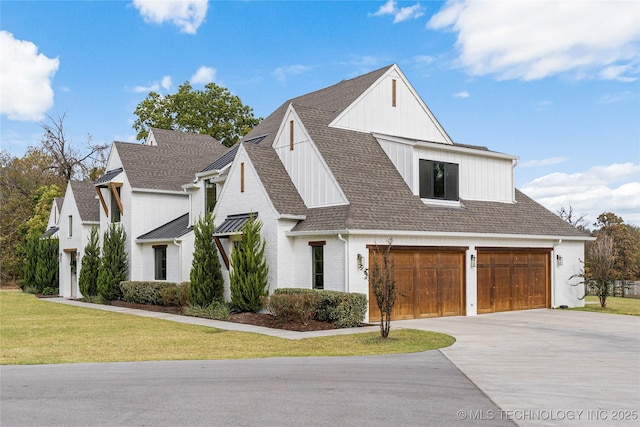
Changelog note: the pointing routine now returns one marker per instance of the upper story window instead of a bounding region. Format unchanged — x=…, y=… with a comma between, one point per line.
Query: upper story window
x=438, y=180
x=70, y=225
x=210, y=196
x=115, y=209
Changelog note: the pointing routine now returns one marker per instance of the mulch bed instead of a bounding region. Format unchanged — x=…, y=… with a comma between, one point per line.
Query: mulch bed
x=257, y=319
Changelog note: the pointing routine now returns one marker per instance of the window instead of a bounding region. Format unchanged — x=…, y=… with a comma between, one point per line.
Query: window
x=70, y=226
x=291, y=140
x=393, y=92
x=438, y=180
x=317, y=260
x=160, y=262
x=242, y=177
x=210, y=196
x=115, y=209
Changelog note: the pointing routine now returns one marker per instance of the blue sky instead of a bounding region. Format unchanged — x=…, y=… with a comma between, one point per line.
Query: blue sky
x=553, y=82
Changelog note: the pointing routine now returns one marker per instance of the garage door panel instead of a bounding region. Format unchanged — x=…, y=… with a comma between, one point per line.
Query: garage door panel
x=403, y=308
x=427, y=293
x=429, y=283
x=512, y=280
x=450, y=286
x=485, y=304
x=501, y=297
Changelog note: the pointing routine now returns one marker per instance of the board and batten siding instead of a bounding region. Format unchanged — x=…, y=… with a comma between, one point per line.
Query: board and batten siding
x=481, y=177
x=307, y=169
x=374, y=112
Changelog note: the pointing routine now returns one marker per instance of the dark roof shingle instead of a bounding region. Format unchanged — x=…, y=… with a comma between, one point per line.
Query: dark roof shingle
x=85, y=195
x=171, y=230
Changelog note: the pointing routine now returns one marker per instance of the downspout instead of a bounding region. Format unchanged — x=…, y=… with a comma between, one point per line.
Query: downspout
x=554, y=267
x=175, y=242
x=346, y=262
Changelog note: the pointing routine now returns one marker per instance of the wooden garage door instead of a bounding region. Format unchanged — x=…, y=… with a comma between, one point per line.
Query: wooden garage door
x=429, y=283
x=513, y=280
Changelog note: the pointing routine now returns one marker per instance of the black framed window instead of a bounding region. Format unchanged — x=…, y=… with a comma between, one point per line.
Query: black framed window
x=160, y=262
x=210, y=196
x=438, y=180
x=317, y=262
x=115, y=209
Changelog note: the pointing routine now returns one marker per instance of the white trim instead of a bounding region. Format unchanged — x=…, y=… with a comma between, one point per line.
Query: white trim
x=440, y=234
x=148, y=190
x=291, y=216
x=164, y=240
x=445, y=147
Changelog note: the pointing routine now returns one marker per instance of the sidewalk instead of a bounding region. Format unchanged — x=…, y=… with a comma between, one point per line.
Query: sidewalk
x=218, y=324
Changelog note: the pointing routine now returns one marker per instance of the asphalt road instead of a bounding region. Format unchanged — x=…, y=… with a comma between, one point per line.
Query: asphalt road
x=422, y=389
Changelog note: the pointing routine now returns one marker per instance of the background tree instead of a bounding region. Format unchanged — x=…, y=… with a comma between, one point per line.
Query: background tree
x=249, y=269
x=207, y=283
x=383, y=285
x=598, y=273
x=43, y=198
x=68, y=161
x=213, y=111
x=88, y=279
x=29, y=255
x=20, y=179
x=625, y=241
x=575, y=220
x=114, y=265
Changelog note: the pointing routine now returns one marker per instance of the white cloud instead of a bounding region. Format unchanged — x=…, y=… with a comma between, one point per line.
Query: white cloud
x=531, y=40
x=463, y=94
x=204, y=75
x=423, y=59
x=399, y=14
x=165, y=83
x=613, y=188
x=25, y=79
x=543, y=162
x=281, y=73
x=187, y=15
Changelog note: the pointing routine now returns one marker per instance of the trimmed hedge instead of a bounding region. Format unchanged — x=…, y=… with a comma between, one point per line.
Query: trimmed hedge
x=299, y=307
x=156, y=293
x=344, y=309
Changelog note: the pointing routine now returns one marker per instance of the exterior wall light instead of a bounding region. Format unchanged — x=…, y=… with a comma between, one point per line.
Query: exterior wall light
x=473, y=261
x=559, y=260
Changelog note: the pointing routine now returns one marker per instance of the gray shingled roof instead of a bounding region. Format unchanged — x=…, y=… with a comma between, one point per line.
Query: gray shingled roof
x=167, y=137
x=168, y=166
x=85, y=195
x=171, y=230
x=58, y=201
x=49, y=232
x=228, y=157
x=379, y=198
x=276, y=181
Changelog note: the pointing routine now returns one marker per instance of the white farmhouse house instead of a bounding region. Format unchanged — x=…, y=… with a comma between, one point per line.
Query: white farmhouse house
x=79, y=212
x=142, y=190
x=337, y=172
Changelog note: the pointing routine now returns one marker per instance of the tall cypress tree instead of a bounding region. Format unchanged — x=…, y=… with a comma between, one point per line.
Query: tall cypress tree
x=114, y=265
x=47, y=264
x=207, y=283
x=248, y=277
x=30, y=252
x=88, y=280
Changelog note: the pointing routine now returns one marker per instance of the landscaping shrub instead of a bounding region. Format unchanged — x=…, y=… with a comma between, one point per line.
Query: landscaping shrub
x=249, y=270
x=343, y=309
x=175, y=295
x=114, y=265
x=207, y=283
x=50, y=291
x=217, y=310
x=145, y=292
x=297, y=307
x=88, y=279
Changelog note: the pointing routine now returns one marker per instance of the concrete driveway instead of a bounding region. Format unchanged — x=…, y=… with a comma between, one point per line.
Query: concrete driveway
x=549, y=367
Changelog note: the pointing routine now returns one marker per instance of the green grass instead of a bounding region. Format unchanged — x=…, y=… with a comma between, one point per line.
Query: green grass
x=615, y=305
x=38, y=332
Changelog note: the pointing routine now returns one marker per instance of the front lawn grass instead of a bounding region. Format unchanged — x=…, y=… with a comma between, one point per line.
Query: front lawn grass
x=615, y=305
x=38, y=332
